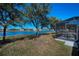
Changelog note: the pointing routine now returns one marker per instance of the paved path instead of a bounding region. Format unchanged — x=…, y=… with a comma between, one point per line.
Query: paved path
x=68, y=42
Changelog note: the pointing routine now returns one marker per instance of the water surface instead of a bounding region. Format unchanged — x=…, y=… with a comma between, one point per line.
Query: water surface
x=23, y=33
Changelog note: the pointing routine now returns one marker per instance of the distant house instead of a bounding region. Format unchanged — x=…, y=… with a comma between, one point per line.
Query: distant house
x=15, y=29
x=21, y=29
x=26, y=30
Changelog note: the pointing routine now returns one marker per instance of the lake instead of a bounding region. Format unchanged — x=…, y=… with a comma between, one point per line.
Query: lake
x=23, y=33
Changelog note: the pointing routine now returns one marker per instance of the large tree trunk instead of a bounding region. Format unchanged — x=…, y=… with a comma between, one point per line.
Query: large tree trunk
x=4, y=33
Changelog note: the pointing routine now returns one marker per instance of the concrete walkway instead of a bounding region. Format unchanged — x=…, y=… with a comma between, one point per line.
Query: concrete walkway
x=66, y=42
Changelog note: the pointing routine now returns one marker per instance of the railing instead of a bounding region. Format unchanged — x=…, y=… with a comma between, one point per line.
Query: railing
x=68, y=35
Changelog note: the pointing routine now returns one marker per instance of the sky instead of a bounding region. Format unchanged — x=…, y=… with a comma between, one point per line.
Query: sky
x=60, y=10
x=64, y=10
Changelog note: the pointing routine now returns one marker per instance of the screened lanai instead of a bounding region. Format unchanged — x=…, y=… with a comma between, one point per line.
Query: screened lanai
x=68, y=29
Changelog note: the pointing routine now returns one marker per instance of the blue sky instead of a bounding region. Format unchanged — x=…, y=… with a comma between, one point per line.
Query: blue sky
x=61, y=10
x=64, y=10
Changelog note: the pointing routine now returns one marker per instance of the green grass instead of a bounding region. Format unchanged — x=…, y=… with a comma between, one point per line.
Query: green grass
x=0, y=38
x=43, y=46
x=14, y=37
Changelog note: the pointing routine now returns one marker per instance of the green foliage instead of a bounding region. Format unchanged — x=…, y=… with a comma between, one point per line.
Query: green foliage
x=34, y=13
x=37, y=13
x=53, y=21
x=9, y=15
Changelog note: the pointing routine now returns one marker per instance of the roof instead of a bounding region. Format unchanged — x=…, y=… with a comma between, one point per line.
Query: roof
x=72, y=20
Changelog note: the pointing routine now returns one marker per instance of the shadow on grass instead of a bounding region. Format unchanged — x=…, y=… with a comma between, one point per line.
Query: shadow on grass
x=2, y=43
x=26, y=37
x=10, y=40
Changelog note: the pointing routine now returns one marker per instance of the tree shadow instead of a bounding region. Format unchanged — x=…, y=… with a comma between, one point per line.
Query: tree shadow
x=2, y=43
x=28, y=37
x=75, y=49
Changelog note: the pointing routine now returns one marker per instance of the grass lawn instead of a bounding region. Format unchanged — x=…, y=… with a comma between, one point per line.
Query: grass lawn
x=45, y=45
x=0, y=38
x=14, y=37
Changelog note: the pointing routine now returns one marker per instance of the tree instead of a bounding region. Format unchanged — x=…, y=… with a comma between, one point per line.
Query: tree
x=12, y=14
x=45, y=23
x=9, y=15
x=53, y=21
x=37, y=13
